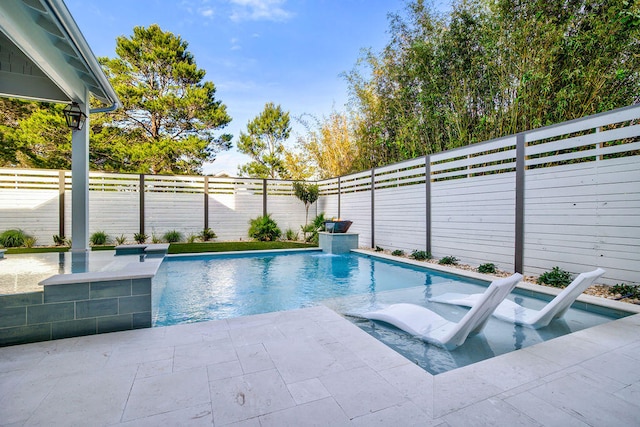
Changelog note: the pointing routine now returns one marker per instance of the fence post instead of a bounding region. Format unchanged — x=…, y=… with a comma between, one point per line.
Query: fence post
x=427, y=210
x=264, y=197
x=519, y=214
x=339, y=195
x=206, y=202
x=141, y=207
x=373, y=204
x=61, y=189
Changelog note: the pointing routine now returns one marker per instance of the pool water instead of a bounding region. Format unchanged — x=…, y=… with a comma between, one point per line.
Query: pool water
x=198, y=288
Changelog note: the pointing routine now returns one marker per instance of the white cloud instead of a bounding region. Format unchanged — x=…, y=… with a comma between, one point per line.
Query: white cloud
x=259, y=10
x=207, y=12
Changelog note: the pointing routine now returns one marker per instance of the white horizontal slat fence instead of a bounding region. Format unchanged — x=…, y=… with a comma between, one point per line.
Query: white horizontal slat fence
x=566, y=195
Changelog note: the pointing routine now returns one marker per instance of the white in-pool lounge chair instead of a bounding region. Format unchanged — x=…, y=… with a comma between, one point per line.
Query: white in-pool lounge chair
x=513, y=312
x=432, y=328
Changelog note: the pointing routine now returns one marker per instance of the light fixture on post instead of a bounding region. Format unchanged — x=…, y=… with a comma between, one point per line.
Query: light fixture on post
x=74, y=116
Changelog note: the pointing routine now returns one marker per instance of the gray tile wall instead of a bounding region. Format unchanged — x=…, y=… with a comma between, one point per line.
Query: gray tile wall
x=75, y=309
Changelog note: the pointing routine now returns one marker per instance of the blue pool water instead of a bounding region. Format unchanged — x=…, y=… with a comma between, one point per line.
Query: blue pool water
x=198, y=288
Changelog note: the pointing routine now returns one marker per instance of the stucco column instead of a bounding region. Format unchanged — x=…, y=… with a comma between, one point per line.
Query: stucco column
x=80, y=185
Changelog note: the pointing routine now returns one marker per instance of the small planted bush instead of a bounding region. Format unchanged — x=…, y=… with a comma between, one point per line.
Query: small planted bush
x=557, y=277
x=487, y=268
x=99, y=238
x=311, y=230
x=291, y=234
x=448, y=260
x=379, y=249
x=59, y=240
x=121, y=240
x=625, y=290
x=172, y=236
x=421, y=255
x=398, y=252
x=191, y=238
x=29, y=241
x=140, y=238
x=155, y=238
x=207, y=234
x=264, y=228
x=13, y=238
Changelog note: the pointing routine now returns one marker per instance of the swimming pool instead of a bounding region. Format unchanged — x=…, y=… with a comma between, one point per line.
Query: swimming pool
x=197, y=288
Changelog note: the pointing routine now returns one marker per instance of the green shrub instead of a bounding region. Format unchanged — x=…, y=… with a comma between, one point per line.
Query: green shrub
x=627, y=291
x=448, y=260
x=557, y=278
x=207, y=234
x=311, y=230
x=121, y=240
x=155, y=238
x=140, y=237
x=487, y=268
x=13, y=238
x=99, y=238
x=264, y=228
x=420, y=255
x=29, y=241
x=191, y=238
x=59, y=240
x=379, y=249
x=398, y=252
x=291, y=234
x=172, y=236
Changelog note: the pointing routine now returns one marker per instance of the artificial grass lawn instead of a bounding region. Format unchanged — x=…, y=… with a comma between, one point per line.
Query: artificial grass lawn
x=183, y=248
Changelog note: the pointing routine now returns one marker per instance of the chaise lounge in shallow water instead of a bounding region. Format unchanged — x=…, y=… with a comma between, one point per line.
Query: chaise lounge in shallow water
x=513, y=312
x=435, y=329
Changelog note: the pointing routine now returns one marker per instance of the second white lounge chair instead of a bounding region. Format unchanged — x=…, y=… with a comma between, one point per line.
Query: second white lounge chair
x=512, y=312
x=435, y=329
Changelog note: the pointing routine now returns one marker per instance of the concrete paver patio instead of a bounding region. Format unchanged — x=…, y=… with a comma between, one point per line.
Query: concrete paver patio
x=312, y=367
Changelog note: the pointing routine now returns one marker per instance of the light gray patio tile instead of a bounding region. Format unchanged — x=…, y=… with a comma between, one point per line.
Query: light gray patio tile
x=597, y=380
x=256, y=335
x=301, y=359
x=325, y=412
x=542, y=411
x=221, y=370
x=489, y=412
x=590, y=405
x=97, y=398
x=135, y=355
x=567, y=350
x=195, y=332
x=61, y=364
x=412, y=382
x=251, y=422
x=196, y=416
x=202, y=354
x=247, y=396
x=249, y=322
x=459, y=388
x=25, y=356
x=619, y=367
x=405, y=414
x=308, y=390
x=611, y=334
x=361, y=390
x=376, y=354
x=305, y=327
x=631, y=350
x=156, y=367
x=348, y=359
x=254, y=358
x=630, y=393
x=513, y=369
x=166, y=393
x=21, y=398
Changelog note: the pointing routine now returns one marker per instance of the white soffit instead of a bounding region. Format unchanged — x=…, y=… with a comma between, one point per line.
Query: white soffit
x=43, y=55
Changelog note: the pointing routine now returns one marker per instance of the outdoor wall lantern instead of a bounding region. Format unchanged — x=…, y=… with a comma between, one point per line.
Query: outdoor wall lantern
x=74, y=116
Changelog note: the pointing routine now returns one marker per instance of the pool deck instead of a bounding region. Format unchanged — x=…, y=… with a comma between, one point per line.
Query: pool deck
x=312, y=367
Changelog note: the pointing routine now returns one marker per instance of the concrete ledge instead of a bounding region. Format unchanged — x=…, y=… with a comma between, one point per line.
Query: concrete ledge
x=155, y=248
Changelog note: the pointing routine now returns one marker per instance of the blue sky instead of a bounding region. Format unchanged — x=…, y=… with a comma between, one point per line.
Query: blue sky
x=255, y=51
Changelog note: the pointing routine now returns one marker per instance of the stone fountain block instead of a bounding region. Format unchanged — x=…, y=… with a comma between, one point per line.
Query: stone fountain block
x=338, y=243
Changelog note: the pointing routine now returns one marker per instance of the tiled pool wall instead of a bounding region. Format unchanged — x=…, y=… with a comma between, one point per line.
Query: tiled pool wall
x=75, y=309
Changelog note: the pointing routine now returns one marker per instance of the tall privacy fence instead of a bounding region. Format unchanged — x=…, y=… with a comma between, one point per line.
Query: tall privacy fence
x=566, y=195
